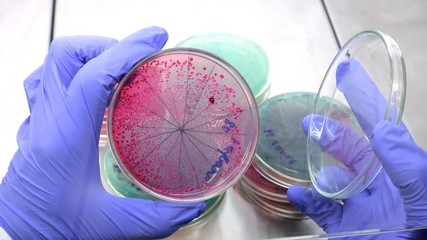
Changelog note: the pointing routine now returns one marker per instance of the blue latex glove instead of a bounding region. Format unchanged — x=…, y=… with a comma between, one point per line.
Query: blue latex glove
x=53, y=188
x=397, y=197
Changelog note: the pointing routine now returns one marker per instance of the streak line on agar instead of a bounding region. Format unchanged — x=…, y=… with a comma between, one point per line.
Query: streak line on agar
x=179, y=161
x=200, y=141
x=220, y=117
x=172, y=96
x=186, y=91
x=166, y=128
x=164, y=104
x=157, y=135
x=174, y=102
x=192, y=166
x=158, y=116
x=200, y=96
x=204, y=156
x=200, y=113
x=165, y=159
x=222, y=133
x=148, y=154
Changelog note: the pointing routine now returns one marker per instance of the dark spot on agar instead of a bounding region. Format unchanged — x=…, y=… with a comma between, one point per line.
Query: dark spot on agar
x=212, y=100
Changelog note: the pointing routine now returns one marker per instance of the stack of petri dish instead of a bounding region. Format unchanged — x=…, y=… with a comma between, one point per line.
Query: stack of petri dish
x=267, y=196
x=281, y=159
x=249, y=59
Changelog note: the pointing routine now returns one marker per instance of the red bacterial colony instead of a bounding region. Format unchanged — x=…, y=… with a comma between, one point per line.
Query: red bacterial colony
x=212, y=100
x=181, y=125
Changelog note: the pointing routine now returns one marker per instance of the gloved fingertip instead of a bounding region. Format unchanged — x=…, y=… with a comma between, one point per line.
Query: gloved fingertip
x=154, y=36
x=342, y=70
x=299, y=197
x=347, y=69
x=305, y=123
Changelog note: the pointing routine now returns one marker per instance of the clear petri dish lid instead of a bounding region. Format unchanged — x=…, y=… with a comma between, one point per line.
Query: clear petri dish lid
x=245, y=55
x=368, y=77
x=281, y=153
x=183, y=125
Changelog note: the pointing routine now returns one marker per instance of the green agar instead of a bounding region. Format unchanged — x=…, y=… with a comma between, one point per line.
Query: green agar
x=249, y=59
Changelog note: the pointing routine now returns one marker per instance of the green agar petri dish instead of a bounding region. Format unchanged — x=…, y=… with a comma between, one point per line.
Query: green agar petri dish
x=245, y=55
x=282, y=152
x=282, y=146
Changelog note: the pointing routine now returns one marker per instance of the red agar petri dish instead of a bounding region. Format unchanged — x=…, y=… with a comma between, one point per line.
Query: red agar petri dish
x=183, y=125
x=264, y=187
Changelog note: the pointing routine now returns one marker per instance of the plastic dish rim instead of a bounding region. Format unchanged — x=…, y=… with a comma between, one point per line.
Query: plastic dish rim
x=270, y=209
x=263, y=193
x=276, y=177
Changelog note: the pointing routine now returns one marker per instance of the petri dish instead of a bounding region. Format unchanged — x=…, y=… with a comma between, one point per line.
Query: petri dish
x=261, y=186
x=368, y=76
x=272, y=208
x=183, y=125
x=245, y=55
x=281, y=154
x=116, y=183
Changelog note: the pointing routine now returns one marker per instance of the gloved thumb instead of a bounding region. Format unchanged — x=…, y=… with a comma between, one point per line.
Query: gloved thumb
x=326, y=212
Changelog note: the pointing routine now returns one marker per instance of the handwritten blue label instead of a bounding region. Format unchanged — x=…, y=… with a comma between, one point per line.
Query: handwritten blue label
x=223, y=157
x=228, y=125
x=282, y=152
x=224, y=154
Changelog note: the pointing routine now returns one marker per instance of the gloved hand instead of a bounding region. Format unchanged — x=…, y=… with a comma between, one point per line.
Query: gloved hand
x=397, y=197
x=53, y=188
